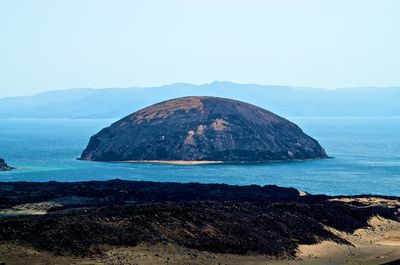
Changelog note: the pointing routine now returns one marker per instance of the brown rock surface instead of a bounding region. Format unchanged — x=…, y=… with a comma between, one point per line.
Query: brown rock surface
x=203, y=129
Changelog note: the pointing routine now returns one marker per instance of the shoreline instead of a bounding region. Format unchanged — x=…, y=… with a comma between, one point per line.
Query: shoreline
x=207, y=162
x=172, y=162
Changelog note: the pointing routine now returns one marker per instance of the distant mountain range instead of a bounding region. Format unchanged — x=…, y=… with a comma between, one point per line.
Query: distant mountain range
x=282, y=100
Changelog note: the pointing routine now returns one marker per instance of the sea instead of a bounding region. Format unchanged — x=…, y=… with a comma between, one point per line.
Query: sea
x=365, y=159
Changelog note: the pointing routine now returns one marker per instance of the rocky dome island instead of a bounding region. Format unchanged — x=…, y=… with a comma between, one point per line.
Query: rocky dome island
x=203, y=129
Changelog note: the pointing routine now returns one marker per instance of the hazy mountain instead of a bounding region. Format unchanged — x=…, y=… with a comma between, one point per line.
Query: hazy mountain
x=286, y=101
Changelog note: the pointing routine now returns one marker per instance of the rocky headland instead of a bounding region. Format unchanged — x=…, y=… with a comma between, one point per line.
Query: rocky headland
x=202, y=129
x=4, y=166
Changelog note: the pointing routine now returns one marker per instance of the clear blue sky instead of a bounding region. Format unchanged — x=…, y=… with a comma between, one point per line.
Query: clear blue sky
x=60, y=44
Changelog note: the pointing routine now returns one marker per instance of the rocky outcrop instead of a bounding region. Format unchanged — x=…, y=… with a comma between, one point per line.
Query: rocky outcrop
x=4, y=166
x=203, y=129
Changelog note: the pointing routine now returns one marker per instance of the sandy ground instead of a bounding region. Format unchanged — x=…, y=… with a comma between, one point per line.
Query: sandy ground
x=41, y=208
x=371, y=201
x=378, y=244
x=29, y=209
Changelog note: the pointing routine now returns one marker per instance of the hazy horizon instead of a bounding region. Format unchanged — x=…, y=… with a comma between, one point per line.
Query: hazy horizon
x=35, y=93
x=48, y=45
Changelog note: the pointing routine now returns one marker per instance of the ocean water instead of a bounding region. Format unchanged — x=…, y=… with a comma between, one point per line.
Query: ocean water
x=365, y=151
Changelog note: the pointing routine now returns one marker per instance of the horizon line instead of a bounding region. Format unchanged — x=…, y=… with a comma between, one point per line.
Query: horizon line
x=203, y=84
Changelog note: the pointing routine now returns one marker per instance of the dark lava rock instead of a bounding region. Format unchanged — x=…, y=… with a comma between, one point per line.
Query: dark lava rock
x=4, y=166
x=119, y=191
x=203, y=128
x=213, y=217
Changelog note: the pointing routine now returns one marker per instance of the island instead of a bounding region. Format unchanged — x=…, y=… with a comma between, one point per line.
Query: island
x=202, y=130
x=4, y=166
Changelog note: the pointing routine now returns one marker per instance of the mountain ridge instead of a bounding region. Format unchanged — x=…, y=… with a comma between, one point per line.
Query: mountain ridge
x=283, y=100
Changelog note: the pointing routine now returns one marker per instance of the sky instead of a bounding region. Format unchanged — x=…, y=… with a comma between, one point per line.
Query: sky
x=47, y=44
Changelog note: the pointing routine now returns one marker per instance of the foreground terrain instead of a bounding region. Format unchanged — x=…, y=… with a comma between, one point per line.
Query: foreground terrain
x=124, y=222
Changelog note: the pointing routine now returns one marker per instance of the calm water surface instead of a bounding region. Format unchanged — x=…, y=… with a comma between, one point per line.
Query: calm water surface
x=366, y=159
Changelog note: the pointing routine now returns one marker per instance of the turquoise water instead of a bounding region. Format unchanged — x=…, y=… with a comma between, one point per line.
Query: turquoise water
x=366, y=159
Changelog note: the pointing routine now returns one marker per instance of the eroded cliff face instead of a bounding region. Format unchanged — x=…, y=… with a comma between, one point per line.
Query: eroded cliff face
x=4, y=166
x=203, y=128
